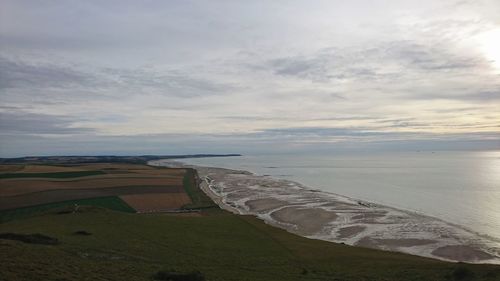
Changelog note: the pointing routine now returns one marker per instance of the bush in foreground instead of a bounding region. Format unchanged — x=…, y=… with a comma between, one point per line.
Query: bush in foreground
x=462, y=273
x=30, y=238
x=176, y=276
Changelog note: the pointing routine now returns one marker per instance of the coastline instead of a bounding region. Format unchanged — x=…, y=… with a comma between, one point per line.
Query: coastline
x=326, y=216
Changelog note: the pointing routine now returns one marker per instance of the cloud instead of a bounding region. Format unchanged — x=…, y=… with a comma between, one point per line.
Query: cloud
x=380, y=61
x=479, y=96
x=295, y=66
x=24, y=123
x=435, y=57
x=321, y=131
x=170, y=82
x=252, y=72
x=27, y=80
x=19, y=74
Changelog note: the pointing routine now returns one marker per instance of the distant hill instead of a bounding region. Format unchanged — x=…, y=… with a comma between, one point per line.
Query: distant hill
x=142, y=159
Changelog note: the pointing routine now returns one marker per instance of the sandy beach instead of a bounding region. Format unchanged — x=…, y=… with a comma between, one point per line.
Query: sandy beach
x=321, y=215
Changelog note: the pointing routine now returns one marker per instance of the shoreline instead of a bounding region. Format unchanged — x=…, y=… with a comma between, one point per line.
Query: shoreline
x=336, y=218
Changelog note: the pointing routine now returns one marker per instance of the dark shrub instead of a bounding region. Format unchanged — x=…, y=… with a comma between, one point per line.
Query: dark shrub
x=462, y=273
x=82, y=232
x=30, y=238
x=490, y=275
x=64, y=211
x=176, y=276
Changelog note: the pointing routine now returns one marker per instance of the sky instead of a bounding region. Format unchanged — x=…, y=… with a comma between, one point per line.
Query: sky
x=176, y=77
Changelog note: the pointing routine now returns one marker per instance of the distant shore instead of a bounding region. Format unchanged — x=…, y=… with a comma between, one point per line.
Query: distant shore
x=320, y=215
x=139, y=159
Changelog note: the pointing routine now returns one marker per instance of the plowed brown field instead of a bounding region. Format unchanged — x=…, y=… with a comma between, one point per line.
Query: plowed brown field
x=50, y=196
x=49, y=169
x=22, y=186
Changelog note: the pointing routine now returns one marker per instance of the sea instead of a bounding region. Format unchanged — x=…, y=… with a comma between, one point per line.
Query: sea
x=461, y=188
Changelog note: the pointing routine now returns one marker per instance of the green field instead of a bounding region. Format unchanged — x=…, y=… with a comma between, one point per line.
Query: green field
x=110, y=202
x=57, y=175
x=198, y=197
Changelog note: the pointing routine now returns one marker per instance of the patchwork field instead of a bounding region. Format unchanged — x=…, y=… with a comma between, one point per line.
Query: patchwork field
x=22, y=186
x=146, y=188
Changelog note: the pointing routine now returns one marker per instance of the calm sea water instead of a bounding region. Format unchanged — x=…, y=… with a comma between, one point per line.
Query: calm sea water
x=458, y=187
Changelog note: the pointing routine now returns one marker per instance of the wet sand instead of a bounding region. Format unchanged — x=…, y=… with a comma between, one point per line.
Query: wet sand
x=390, y=244
x=350, y=231
x=461, y=252
x=304, y=221
x=326, y=216
x=264, y=205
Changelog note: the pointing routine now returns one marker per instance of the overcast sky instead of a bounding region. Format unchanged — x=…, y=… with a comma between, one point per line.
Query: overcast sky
x=134, y=77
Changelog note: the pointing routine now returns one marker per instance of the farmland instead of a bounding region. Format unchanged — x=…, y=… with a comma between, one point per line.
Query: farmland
x=36, y=187
x=103, y=238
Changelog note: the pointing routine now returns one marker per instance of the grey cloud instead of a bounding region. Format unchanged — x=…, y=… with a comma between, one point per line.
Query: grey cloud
x=279, y=118
x=396, y=120
x=23, y=123
x=459, y=109
x=359, y=138
x=328, y=64
x=433, y=58
x=253, y=118
x=57, y=42
x=293, y=66
x=479, y=96
x=369, y=63
x=415, y=123
x=337, y=96
x=64, y=82
x=171, y=82
x=321, y=131
x=347, y=118
x=409, y=124
x=402, y=123
x=19, y=74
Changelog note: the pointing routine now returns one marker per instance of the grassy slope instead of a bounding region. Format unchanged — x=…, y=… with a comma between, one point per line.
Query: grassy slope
x=223, y=246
